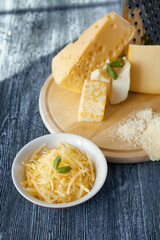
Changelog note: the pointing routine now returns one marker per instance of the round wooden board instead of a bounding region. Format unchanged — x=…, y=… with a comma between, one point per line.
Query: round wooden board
x=59, y=111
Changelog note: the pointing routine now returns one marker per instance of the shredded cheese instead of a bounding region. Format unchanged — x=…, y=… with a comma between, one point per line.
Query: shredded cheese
x=45, y=183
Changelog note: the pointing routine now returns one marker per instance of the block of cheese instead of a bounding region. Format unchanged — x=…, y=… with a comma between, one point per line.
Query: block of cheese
x=93, y=101
x=120, y=86
x=103, y=76
x=145, y=68
x=104, y=39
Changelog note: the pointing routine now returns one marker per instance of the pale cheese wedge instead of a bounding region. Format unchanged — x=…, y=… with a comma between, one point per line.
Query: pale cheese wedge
x=120, y=86
x=106, y=38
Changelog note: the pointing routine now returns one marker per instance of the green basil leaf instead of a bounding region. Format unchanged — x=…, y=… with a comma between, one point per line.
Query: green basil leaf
x=65, y=169
x=117, y=63
x=56, y=162
x=112, y=72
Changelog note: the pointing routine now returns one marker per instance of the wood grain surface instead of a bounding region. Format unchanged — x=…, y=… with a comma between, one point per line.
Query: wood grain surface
x=127, y=207
x=59, y=111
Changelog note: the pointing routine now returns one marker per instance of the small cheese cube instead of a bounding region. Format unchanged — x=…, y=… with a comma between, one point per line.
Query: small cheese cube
x=93, y=101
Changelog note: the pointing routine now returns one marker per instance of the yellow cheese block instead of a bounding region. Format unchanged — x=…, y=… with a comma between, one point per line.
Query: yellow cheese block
x=93, y=101
x=145, y=68
x=105, y=39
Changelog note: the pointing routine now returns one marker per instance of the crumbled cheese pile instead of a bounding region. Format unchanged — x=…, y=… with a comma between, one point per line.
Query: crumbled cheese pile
x=151, y=139
x=142, y=129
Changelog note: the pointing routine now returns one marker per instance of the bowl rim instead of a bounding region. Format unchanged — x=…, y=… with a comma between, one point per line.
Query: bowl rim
x=38, y=202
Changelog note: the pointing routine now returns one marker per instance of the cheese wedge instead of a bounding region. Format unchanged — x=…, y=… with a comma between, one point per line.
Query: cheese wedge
x=104, y=39
x=93, y=101
x=145, y=68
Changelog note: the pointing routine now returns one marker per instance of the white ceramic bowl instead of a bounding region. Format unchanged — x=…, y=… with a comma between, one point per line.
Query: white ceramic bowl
x=52, y=141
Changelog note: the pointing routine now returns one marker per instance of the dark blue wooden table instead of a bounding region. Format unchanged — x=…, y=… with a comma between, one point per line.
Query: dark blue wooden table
x=128, y=205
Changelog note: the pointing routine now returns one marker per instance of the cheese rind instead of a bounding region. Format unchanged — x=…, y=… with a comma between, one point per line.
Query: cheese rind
x=93, y=101
x=145, y=68
x=104, y=39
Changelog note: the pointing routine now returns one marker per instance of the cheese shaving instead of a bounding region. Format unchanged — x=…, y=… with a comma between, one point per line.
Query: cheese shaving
x=45, y=183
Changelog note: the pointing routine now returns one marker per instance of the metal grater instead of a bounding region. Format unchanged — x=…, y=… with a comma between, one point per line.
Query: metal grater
x=145, y=17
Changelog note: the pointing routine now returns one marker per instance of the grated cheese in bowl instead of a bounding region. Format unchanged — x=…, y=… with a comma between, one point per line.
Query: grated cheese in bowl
x=45, y=183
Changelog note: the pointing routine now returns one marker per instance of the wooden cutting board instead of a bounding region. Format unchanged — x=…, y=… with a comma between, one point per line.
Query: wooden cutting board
x=59, y=111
